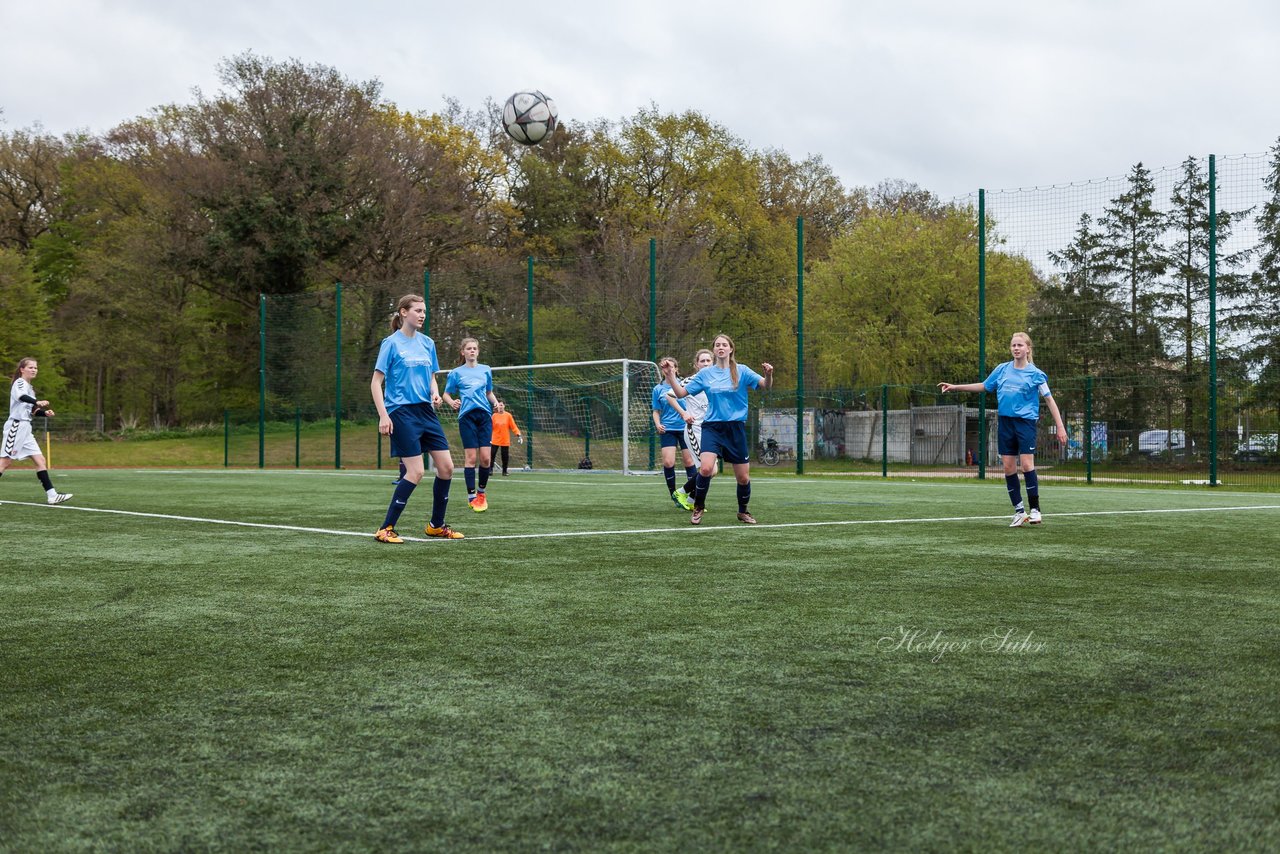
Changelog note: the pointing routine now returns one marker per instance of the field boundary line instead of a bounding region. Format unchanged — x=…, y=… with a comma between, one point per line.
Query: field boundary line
x=664, y=530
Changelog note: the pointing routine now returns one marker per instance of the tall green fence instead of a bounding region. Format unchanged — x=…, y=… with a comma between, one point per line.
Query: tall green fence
x=1138, y=291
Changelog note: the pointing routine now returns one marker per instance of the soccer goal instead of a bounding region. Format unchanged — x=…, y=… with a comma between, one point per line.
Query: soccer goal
x=576, y=415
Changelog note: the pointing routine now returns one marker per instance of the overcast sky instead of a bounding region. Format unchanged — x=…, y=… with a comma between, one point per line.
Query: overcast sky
x=950, y=95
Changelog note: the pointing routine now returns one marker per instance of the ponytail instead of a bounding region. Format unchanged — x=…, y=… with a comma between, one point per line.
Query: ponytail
x=397, y=319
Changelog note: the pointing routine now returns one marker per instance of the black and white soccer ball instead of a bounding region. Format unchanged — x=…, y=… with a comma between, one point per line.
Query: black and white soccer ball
x=530, y=117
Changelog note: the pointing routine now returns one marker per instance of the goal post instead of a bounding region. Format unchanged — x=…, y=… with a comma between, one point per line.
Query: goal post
x=574, y=415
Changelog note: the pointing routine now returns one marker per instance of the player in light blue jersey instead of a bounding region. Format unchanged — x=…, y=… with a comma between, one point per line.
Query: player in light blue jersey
x=724, y=429
x=406, y=366
x=472, y=382
x=668, y=420
x=1018, y=385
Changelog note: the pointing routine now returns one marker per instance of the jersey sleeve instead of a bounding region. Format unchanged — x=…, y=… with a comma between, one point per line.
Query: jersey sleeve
x=752, y=378
x=658, y=397
x=488, y=380
x=992, y=382
x=384, y=357
x=451, y=384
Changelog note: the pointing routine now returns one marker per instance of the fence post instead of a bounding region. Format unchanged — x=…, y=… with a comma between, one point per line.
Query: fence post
x=653, y=335
x=982, y=332
x=1088, y=429
x=532, y=425
x=1213, y=324
x=337, y=400
x=799, y=345
x=884, y=430
x=297, y=437
x=226, y=438
x=262, y=380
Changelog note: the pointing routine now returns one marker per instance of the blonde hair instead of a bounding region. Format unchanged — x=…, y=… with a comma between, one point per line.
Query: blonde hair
x=1030, y=349
x=698, y=355
x=733, y=363
x=463, y=346
x=397, y=319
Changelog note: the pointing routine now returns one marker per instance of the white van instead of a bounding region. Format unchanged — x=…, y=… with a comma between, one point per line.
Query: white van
x=1154, y=442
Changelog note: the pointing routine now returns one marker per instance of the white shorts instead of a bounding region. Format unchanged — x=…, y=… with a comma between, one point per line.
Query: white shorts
x=693, y=438
x=18, y=443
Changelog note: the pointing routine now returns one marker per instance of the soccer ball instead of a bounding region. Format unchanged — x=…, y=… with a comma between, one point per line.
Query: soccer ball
x=530, y=117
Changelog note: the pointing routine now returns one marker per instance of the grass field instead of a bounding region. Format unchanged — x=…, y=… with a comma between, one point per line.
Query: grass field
x=878, y=665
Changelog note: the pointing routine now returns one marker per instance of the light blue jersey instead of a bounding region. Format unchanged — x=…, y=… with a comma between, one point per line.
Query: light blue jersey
x=666, y=412
x=471, y=386
x=1018, y=392
x=724, y=402
x=408, y=364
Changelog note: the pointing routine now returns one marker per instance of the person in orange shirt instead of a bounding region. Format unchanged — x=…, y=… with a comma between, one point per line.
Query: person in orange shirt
x=503, y=425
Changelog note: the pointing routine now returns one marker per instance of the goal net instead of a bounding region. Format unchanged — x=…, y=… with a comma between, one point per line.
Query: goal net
x=574, y=415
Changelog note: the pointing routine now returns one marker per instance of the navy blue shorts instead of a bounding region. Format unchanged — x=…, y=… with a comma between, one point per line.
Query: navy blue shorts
x=1016, y=436
x=476, y=428
x=673, y=438
x=415, y=430
x=727, y=440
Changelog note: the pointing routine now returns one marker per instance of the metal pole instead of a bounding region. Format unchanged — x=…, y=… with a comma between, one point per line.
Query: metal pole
x=532, y=426
x=1213, y=322
x=1088, y=429
x=799, y=345
x=262, y=380
x=884, y=430
x=226, y=438
x=982, y=332
x=337, y=401
x=653, y=339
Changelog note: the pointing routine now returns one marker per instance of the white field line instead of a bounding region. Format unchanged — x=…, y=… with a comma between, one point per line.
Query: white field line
x=630, y=531
x=895, y=482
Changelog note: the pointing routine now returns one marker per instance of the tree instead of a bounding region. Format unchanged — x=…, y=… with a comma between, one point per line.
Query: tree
x=1132, y=228
x=1077, y=322
x=1182, y=302
x=894, y=303
x=1260, y=304
x=29, y=185
x=27, y=330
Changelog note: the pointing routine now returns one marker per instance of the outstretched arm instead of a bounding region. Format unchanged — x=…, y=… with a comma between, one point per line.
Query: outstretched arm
x=946, y=387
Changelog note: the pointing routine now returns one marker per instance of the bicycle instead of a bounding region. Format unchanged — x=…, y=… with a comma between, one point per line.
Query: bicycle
x=767, y=451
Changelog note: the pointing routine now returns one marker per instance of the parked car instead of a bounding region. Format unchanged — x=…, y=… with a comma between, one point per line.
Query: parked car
x=1260, y=448
x=1153, y=443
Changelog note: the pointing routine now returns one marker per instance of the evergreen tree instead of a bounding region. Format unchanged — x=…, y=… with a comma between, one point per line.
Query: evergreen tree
x=1076, y=319
x=1260, y=310
x=1182, y=301
x=1132, y=228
